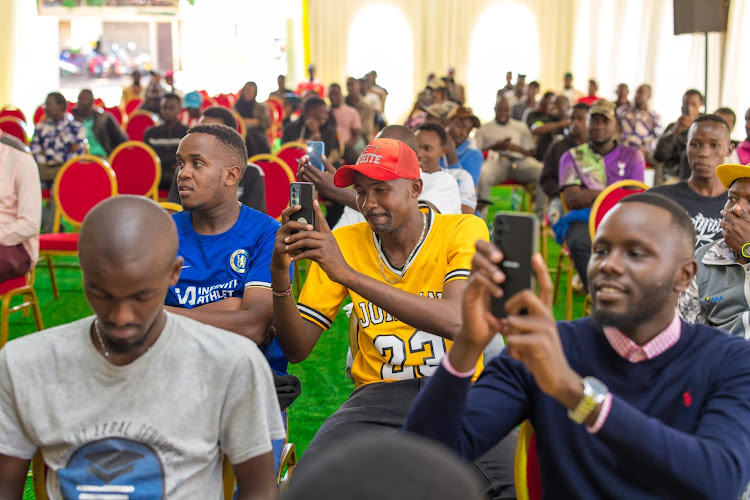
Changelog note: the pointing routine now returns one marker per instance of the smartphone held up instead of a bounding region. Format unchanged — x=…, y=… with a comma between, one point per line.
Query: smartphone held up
x=303, y=194
x=316, y=150
x=516, y=235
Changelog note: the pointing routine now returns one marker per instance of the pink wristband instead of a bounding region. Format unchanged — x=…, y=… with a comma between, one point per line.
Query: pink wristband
x=603, y=412
x=449, y=367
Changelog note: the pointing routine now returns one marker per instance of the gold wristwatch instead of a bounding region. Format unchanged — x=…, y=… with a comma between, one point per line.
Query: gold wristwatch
x=594, y=392
x=745, y=251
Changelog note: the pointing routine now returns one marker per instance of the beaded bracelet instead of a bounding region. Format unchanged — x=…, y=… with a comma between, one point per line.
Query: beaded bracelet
x=282, y=294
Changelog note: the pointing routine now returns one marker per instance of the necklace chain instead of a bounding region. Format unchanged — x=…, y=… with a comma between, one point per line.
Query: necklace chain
x=101, y=340
x=408, y=259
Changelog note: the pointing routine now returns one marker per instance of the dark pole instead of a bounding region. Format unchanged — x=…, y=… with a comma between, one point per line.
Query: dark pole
x=705, y=81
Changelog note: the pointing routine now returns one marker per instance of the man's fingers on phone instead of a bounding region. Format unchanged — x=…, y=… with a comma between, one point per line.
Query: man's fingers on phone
x=525, y=299
x=543, y=278
x=482, y=265
x=322, y=223
x=486, y=283
x=489, y=250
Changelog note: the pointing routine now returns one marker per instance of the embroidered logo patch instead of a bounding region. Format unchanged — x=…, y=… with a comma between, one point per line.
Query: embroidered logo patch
x=712, y=300
x=238, y=260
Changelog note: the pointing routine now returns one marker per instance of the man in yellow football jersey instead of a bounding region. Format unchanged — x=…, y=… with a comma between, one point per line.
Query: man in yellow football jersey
x=405, y=270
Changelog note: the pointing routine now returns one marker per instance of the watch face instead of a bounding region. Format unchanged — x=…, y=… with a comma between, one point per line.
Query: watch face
x=596, y=385
x=746, y=250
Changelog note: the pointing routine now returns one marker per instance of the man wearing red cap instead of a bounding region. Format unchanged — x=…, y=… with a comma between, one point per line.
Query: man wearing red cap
x=405, y=270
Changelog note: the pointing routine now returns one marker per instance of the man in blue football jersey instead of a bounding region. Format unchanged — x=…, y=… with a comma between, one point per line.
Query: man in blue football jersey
x=227, y=246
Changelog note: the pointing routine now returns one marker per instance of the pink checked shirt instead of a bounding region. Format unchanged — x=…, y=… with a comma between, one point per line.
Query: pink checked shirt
x=627, y=349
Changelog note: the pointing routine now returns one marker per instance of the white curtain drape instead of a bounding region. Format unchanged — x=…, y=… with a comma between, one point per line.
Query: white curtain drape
x=614, y=41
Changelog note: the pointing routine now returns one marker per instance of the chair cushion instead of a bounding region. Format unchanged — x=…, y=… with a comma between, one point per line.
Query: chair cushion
x=58, y=241
x=12, y=284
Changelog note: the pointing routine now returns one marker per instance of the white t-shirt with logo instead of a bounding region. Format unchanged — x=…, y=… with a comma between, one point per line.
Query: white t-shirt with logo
x=154, y=428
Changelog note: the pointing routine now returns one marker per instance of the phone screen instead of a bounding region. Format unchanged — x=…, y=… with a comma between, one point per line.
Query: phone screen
x=316, y=150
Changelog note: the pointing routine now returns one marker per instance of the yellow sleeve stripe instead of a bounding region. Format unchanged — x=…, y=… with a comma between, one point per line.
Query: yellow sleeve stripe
x=316, y=317
x=457, y=274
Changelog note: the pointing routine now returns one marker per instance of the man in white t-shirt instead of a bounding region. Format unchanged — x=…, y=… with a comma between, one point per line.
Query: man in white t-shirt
x=136, y=401
x=441, y=187
x=511, y=150
x=432, y=140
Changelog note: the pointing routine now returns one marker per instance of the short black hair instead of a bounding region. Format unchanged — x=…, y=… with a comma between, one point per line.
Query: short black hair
x=690, y=92
x=727, y=111
x=310, y=104
x=680, y=218
x=582, y=106
x=222, y=114
x=172, y=95
x=334, y=85
x=548, y=95
x=434, y=127
x=712, y=118
x=89, y=91
x=535, y=84
x=58, y=98
x=230, y=140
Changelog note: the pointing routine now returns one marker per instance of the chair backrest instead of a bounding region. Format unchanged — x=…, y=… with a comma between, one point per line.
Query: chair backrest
x=80, y=184
x=10, y=110
x=225, y=100
x=170, y=207
x=290, y=152
x=241, y=125
x=12, y=125
x=609, y=197
x=39, y=114
x=277, y=178
x=132, y=106
x=138, y=169
x=138, y=123
x=116, y=113
x=526, y=465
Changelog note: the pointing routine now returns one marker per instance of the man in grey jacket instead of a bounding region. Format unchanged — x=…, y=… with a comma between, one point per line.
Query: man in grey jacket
x=717, y=296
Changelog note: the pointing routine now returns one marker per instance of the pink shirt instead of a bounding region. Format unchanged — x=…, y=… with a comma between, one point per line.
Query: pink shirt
x=743, y=151
x=20, y=201
x=635, y=353
x=347, y=120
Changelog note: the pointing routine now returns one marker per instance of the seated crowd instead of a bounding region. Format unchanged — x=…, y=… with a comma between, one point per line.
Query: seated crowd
x=184, y=363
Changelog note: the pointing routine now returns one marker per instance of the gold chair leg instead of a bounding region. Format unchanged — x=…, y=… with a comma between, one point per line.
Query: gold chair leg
x=558, y=270
x=569, y=292
x=36, y=310
x=52, y=278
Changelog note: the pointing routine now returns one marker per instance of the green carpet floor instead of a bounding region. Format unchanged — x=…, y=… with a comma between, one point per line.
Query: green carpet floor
x=324, y=382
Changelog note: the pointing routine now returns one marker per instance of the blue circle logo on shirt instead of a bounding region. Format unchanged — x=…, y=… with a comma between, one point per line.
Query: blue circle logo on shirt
x=238, y=260
x=113, y=468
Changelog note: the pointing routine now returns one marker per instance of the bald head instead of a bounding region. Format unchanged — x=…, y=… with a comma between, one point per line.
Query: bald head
x=400, y=133
x=128, y=228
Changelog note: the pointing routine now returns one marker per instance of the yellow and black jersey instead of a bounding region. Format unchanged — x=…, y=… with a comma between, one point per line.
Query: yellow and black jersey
x=387, y=349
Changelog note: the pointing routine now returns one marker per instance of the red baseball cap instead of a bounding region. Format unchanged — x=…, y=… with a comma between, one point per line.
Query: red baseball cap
x=382, y=160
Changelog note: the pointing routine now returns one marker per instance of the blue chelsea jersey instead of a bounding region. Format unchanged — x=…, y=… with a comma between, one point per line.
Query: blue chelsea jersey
x=223, y=265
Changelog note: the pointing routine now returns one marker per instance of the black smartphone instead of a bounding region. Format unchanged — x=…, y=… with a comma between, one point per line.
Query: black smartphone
x=316, y=150
x=303, y=194
x=517, y=236
x=685, y=110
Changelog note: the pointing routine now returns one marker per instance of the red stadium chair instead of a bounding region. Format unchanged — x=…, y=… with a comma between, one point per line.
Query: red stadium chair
x=224, y=100
x=38, y=114
x=71, y=105
x=526, y=465
x=132, y=106
x=23, y=287
x=138, y=122
x=116, y=113
x=80, y=184
x=138, y=169
x=14, y=126
x=99, y=103
x=277, y=179
x=290, y=152
x=609, y=197
x=10, y=110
